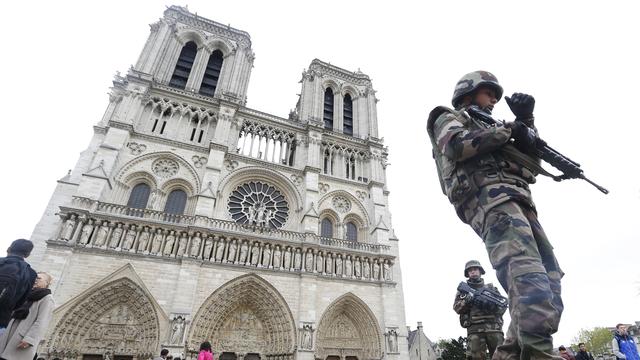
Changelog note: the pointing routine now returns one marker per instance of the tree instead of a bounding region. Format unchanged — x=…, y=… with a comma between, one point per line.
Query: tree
x=596, y=340
x=453, y=349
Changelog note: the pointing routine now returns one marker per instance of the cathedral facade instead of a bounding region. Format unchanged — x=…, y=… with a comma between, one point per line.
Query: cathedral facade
x=191, y=217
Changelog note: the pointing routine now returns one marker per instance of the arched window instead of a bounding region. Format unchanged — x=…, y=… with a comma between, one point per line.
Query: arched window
x=211, y=74
x=347, y=116
x=352, y=231
x=328, y=109
x=326, y=228
x=184, y=65
x=139, y=197
x=176, y=202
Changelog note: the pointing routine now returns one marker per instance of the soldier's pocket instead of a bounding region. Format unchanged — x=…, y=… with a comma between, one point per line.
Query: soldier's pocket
x=501, y=239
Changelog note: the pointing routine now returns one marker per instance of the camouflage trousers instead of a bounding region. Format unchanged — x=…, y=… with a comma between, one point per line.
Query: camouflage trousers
x=479, y=343
x=527, y=269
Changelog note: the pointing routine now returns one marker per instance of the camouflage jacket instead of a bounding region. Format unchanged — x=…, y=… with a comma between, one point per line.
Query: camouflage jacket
x=476, y=171
x=472, y=317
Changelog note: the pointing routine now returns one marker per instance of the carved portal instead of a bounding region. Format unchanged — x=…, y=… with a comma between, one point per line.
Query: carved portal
x=246, y=315
x=348, y=328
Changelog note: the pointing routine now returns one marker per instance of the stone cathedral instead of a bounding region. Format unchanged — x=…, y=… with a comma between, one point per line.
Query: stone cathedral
x=191, y=217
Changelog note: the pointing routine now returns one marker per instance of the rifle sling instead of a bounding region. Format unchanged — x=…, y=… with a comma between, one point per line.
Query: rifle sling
x=525, y=160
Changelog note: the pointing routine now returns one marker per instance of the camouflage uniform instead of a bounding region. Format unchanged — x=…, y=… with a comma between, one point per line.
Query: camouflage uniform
x=484, y=328
x=490, y=192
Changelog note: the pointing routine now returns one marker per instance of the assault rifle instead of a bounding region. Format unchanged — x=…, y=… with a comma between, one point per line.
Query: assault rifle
x=570, y=169
x=485, y=298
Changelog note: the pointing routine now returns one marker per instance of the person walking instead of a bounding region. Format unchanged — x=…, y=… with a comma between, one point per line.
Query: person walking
x=205, y=351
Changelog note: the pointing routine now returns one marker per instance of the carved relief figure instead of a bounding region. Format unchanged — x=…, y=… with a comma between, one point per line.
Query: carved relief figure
x=177, y=330
x=220, y=250
x=129, y=238
x=308, y=261
x=182, y=244
x=297, y=260
x=339, y=265
x=306, y=337
x=287, y=258
x=208, y=246
x=319, y=262
x=101, y=235
x=329, y=264
x=156, y=243
x=255, y=254
x=376, y=270
x=392, y=341
x=87, y=229
x=196, y=241
x=168, y=244
x=144, y=240
x=69, y=225
x=277, y=258
x=357, y=268
x=348, y=268
x=266, y=255
x=115, y=236
x=231, y=254
x=244, y=251
x=386, y=271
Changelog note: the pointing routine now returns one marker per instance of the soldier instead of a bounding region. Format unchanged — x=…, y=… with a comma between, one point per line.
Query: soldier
x=485, y=173
x=483, y=323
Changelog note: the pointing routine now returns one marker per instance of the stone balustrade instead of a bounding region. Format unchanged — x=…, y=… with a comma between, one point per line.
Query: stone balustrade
x=92, y=224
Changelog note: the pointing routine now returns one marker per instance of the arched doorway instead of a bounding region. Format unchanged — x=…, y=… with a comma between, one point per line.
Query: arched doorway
x=348, y=330
x=245, y=319
x=117, y=318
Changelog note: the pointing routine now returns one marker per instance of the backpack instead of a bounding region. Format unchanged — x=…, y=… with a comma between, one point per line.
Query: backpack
x=12, y=275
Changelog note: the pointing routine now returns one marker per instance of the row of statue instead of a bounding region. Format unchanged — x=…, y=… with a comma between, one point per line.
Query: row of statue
x=171, y=243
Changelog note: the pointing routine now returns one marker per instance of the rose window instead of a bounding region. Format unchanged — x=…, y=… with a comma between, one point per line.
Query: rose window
x=257, y=203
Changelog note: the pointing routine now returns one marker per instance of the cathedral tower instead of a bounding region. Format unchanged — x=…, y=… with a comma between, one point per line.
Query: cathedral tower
x=192, y=217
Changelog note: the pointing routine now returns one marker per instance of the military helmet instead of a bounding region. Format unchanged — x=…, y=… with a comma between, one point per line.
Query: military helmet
x=471, y=264
x=471, y=82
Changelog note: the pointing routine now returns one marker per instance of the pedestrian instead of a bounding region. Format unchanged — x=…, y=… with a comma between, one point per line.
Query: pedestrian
x=624, y=345
x=565, y=354
x=16, y=279
x=583, y=354
x=483, y=321
x=485, y=171
x=29, y=322
x=163, y=355
x=205, y=351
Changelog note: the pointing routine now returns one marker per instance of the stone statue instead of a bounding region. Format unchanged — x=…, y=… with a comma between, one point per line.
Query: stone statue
x=319, y=262
x=339, y=265
x=69, y=226
x=348, y=268
x=129, y=238
x=366, y=269
x=376, y=270
x=357, y=268
x=308, y=261
x=266, y=256
x=277, y=258
x=177, y=330
x=329, y=264
x=231, y=254
x=251, y=214
x=244, y=251
x=208, y=246
x=297, y=260
x=152, y=199
x=156, y=242
x=392, y=340
x=144, y=240
x=196, y=241
x=255, y=254
x=182, y=244
x=87, y=229
x=305, y=341
x=168, y=244
x=116, y=234
x=220, y=250
x=101, y=235
x=386, y=271
x=287, y=258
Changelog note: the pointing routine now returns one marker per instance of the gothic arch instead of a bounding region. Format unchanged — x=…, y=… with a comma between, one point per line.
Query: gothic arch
x=349, y=89
x=213, y=44
x=331, y=84
x=117, y=315
x=357, y=208
x=245, y=315
x=184, y=35
x=348, y=328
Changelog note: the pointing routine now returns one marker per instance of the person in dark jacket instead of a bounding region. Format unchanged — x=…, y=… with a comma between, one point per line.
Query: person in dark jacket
x=624, y=345
x=583, y=354
x=16, y=279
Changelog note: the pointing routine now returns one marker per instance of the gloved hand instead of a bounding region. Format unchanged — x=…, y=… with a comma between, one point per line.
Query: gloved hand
x=524, y=137
x=521, y=105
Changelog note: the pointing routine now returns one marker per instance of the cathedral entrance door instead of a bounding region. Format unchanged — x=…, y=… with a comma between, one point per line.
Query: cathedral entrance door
x=333, y=357
x=123, y=357
x=351, y=358
x=228, y=356
x=91, y=357
x=252, y=356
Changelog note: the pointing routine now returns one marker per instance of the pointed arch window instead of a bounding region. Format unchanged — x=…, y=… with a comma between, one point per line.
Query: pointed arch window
x=212, y=74
x=139, y=197
x=347, y=116
x=326, y=228
x=184, y=65
x=328, y=109
x=176, y=202
x=352, y=231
